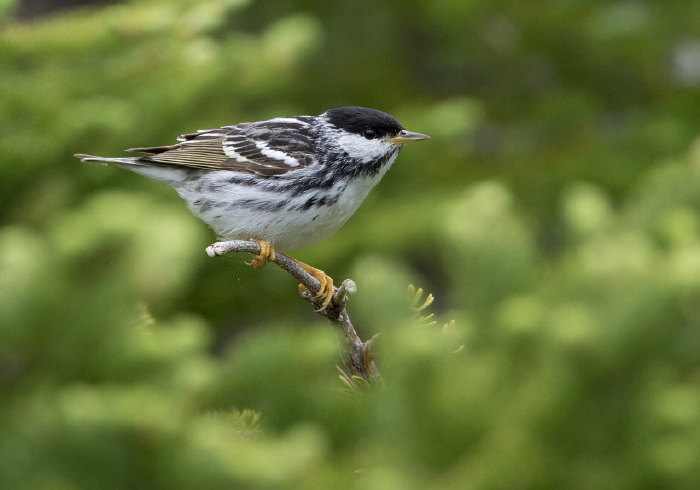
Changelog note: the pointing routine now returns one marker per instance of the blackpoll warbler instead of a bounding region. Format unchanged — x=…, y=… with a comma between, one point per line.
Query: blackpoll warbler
x=287, y=183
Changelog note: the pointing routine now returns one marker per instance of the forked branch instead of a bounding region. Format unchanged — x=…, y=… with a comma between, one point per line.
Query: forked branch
x=357, y=355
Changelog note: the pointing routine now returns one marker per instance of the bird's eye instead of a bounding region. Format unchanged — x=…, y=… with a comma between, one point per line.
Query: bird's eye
x=369, y=134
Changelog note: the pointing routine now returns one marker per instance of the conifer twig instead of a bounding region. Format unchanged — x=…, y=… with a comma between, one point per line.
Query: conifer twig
x=357, y=355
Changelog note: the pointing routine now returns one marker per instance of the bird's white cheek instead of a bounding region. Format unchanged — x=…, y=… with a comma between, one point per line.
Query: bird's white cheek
x=363, y=149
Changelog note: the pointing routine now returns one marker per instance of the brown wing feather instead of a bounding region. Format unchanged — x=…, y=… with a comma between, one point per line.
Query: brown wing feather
x=205, y=149
x=208, y=153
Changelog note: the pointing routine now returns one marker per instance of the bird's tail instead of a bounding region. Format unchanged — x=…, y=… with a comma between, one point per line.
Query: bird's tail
x=91, y=158
x=160, y=173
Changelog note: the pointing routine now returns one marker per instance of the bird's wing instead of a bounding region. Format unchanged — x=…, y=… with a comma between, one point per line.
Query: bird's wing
x=271, y=147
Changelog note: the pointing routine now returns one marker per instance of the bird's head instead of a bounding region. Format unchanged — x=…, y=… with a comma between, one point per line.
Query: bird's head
x=367, y=135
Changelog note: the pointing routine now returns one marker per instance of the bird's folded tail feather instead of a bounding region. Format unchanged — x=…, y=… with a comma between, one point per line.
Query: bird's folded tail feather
x=153, y=170
x=91, y=158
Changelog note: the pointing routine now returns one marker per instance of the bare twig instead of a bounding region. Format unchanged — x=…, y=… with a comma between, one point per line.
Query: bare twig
x=357, y=355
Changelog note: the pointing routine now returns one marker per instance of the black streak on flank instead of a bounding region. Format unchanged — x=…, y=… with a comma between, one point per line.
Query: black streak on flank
x=202, y=205
x=309, y=202
x=270, y=206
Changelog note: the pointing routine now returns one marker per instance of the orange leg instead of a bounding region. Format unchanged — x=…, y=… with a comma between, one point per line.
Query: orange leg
x=326, y=281
x=267, y=253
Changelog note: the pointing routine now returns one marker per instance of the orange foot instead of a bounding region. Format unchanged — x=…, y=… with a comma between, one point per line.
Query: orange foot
x=267, y=253
x=326, y=291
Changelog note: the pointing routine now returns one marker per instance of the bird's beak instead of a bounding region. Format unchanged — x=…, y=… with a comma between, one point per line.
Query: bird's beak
x=406, y=137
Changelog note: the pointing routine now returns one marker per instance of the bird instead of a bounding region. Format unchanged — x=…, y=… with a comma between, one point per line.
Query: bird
x=286, y=183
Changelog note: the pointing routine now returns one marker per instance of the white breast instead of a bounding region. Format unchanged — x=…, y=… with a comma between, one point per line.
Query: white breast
x=241, y=212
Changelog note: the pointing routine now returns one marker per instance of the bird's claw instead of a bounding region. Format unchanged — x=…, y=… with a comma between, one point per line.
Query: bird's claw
x=325, y=290
x=267, y=253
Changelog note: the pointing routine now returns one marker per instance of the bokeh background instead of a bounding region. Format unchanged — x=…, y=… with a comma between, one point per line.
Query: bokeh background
x=554, y=214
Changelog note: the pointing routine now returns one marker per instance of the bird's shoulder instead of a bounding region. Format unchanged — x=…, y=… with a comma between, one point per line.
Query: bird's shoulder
x=271, y=147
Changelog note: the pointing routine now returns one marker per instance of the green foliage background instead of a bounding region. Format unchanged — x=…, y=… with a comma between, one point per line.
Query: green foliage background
x=555, y=214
